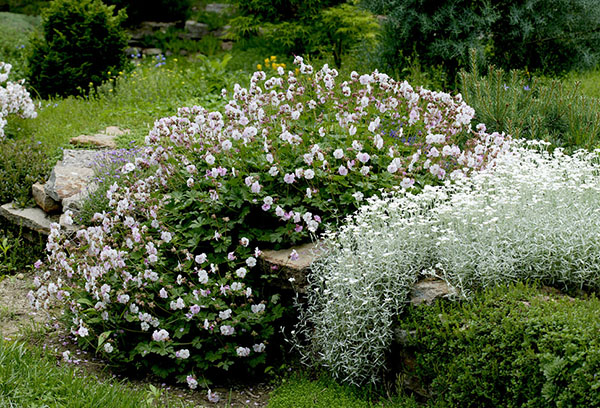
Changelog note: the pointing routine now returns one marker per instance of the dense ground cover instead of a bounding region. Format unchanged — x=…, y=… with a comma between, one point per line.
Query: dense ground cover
x=356, y=161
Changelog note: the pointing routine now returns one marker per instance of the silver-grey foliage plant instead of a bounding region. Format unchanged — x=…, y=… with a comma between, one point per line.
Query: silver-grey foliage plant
x=532, y=216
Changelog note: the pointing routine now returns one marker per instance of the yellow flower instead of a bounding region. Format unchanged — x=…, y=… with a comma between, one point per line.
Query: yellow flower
x=282, y=65
x=266, y=60
x=273, y=57
x=259, y=67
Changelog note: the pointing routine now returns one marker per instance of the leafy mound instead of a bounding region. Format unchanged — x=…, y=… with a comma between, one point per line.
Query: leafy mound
x=167, y=270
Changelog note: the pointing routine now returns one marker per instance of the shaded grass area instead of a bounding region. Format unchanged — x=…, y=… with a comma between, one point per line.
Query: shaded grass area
x=28, y=379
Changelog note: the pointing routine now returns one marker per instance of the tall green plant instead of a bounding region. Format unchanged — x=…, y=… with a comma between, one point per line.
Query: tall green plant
x=527, y=108
x=549, y=36
x=317, y=27
x=83, y=44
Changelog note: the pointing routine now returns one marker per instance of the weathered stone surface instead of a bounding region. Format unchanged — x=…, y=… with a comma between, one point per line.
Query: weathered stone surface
x=428, y=290
x=216, y=7
x=79, y=157
x=66, y=181
x=279, y=262
x=72, y=174
x=152, y=51
x=43, y=200
x=75, y=202
x=195, y=30
x=29, y=218
x=226, y=45
x=99, y=140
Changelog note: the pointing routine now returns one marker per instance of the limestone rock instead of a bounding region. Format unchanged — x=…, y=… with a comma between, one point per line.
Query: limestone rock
x=74, y=202
x=216, y=7
x=98, y=140
x=279, y=262
x=428, y=290
x=43, y=200
x=66, y=181
x=79, y=157
x=72, y=174
x=195, y=30
x=226, y=45
x=29, y=218
x=152, y=51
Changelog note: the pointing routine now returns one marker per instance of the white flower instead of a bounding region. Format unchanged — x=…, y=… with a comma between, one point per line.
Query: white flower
x=227, y=330
x=183, y=353
x=241, y=273
x=258, y=308
x=128, y=168
x=160, y=335
x=242, y=351
x=259, y=348
x=108, y=347
x=358, y=196
x=251, y=262
x=210, y=159
x=226, y=314
x=192, y=382
x=338, y=153
x=309, y=174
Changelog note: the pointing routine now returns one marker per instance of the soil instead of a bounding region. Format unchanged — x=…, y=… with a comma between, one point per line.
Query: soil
x=41, y=329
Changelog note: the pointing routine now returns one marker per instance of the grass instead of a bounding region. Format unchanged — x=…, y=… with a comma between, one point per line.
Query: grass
x=132, y=101
x=28, y=379
x=15, y=30
x=302, y=391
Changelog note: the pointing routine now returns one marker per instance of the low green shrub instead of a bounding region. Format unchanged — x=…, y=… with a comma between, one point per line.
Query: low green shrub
x=302, y=390
x=508, y=347
x=532, y=109
x=22, y=164
x=82, y=45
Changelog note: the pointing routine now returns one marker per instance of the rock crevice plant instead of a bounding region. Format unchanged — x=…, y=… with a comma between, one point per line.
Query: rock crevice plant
x=167, y=269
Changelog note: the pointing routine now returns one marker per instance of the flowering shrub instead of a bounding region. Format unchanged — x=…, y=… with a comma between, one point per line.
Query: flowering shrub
x=14, y=98
x=530, y=217
x=167, y=269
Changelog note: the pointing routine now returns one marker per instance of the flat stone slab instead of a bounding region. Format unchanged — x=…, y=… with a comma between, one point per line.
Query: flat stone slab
x=280, y=263
x=34, y=219
x=79, y=157
x=216, y=7
x=195, y=30
x=99, y=140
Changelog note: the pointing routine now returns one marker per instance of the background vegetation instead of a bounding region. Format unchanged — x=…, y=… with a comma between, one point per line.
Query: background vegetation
x=536, y=89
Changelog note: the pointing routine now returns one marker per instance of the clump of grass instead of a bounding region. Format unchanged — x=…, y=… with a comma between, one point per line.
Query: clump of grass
x=29, y=379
